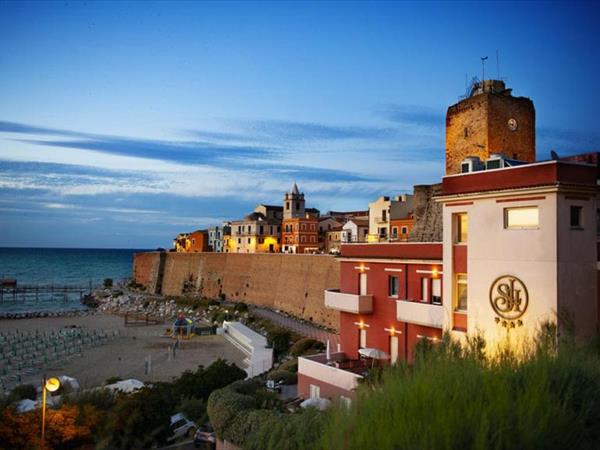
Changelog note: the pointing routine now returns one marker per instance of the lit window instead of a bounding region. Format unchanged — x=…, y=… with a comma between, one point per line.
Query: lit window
x=526, y=217
x=393, y=286
x=462, y=228
x=436, y=291
x=461, y=291
x=576, y=217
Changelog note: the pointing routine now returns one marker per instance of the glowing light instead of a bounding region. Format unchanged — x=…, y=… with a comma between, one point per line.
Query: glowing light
x=52, y=384
x=434, y=272
x=361, y=324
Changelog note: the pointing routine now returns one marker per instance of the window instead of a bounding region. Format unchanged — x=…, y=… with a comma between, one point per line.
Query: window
x=303, y=239
x=404, y=230
x=193, y=241
x=239, y=230
x=461, y=291
x=239, y=240
x=462, y=228
x=576, y=217
x=525, y=217
x=261, y=240
x=383, y=232
x=287, y=205
x=395, y=231
x=466, y=132
x=362, y=338
x=297, y=227
x=393, y=284
x=345, y=403
x=261, y=228
x=312, y=239
x=425, y=289
x=436, y=291
x=383, y=215
x=303, y=227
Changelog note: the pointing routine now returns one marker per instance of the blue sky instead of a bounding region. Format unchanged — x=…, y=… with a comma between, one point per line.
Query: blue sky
x=124, y=123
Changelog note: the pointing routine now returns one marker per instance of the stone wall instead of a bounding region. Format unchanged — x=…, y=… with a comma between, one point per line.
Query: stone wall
x=290, y=283
x=427, y=213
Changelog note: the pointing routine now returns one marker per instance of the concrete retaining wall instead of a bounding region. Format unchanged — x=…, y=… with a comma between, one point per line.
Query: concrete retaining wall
x=290, y=283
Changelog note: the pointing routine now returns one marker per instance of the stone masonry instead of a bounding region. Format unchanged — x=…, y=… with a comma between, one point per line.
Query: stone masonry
x=427, y=213
x=294, y=284
x=479, y=126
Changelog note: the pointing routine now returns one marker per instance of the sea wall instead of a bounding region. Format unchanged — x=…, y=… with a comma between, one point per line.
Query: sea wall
x=290, y=283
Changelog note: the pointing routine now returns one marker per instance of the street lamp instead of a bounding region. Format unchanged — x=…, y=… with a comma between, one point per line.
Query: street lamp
x=49, y=385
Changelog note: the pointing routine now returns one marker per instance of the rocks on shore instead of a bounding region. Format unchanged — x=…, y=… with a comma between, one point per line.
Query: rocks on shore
x=36, y=314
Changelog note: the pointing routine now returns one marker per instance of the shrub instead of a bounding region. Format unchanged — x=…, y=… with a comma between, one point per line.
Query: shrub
x=538, y=398
x=283, y=375
x=291, y=365
x=223, y=406
x=240, y=307
x=279, y=339
x=112, y=380
x=107, y=283
x=23, y=391
x=306, y=346
x=194, y=409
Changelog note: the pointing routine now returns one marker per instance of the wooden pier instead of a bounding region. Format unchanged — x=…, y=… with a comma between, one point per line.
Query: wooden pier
x=10, y=290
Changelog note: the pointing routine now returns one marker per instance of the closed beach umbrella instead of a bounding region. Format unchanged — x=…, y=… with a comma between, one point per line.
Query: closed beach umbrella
x=328, y=351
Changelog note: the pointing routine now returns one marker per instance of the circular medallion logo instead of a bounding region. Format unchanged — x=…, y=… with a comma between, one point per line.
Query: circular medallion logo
x=509, y=297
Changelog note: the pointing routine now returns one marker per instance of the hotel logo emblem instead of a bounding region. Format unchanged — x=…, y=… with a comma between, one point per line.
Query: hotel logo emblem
x=509, y=299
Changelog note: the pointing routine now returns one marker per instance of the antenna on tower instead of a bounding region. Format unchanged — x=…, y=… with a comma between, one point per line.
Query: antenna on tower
x=498, y=63
x=483, y=59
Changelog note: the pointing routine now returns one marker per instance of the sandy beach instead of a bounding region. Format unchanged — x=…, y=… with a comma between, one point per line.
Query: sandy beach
x=124, y=355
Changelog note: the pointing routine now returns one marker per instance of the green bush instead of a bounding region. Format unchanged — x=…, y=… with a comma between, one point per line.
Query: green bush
x=112, y=380
x=279, y=339
x=223, y=407
x=22, y=392
x=194, y=409
x=283, y=375
x=306, y=346
x=291, y=365
x=240, y=307
x=451, y=397
x=107, y=283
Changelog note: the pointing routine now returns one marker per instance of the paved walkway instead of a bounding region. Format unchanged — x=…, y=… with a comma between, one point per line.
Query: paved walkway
x=304, y=328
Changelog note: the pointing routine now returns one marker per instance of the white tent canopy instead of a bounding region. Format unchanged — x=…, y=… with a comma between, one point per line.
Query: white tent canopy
x=373, y=353
x=126, y=386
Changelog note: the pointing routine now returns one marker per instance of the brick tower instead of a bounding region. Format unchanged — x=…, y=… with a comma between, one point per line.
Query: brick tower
x=490, y=120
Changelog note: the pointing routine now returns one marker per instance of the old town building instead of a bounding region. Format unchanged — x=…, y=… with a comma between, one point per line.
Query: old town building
x=216, y=237
x=258, y=232
x=355, y=230
x=381, y=213
x=300, y=231
x=193, y=242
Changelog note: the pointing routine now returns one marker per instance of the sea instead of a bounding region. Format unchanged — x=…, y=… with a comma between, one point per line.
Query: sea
x=59, y=267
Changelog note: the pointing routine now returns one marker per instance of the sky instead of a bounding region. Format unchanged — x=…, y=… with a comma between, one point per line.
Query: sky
x=122, y=124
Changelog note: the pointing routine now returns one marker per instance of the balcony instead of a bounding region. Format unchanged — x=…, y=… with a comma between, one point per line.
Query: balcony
x=420, y=313
x=339, y=372
x=351, y=303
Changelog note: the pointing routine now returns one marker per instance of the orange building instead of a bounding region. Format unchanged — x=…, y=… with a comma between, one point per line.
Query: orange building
x=400, y=228
x=300, y=235
x=194, y=242
x=300, y=227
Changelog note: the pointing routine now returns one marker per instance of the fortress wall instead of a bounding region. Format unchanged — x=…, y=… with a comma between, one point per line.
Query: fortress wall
x=145, y=269
x=290, y=283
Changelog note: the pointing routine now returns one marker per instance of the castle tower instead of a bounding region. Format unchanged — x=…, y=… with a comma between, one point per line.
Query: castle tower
x=490, y=120
x=293, y=204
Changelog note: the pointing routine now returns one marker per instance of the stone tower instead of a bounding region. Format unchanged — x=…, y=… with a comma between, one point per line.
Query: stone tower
x=490, y=120
x=293, y=204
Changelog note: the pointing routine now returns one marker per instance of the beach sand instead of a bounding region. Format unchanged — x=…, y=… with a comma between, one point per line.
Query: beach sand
x=124, y=355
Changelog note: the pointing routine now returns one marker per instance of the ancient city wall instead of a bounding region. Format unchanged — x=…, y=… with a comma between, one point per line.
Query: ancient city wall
x=290, y=283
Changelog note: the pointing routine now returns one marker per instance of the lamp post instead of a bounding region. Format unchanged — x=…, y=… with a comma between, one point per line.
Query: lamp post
x=50, y=385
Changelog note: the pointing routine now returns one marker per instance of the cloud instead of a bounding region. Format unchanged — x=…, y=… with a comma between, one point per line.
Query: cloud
x=414, y=115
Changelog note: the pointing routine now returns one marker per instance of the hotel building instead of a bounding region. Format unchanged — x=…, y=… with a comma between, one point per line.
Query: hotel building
x=519, y=248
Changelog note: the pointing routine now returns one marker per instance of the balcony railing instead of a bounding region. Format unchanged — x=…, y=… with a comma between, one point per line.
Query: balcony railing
x=420, y=313
x=352, y=303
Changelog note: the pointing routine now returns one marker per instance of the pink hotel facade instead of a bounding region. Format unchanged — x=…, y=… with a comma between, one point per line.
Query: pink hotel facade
x=519, y=248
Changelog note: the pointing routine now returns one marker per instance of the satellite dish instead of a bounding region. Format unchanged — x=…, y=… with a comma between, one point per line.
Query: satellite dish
x=554, y=155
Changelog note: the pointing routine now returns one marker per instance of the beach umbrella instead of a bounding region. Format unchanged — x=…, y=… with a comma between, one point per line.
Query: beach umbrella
x=319, y=403
x=328, y=351
x=373, y=353
x=126, y=386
